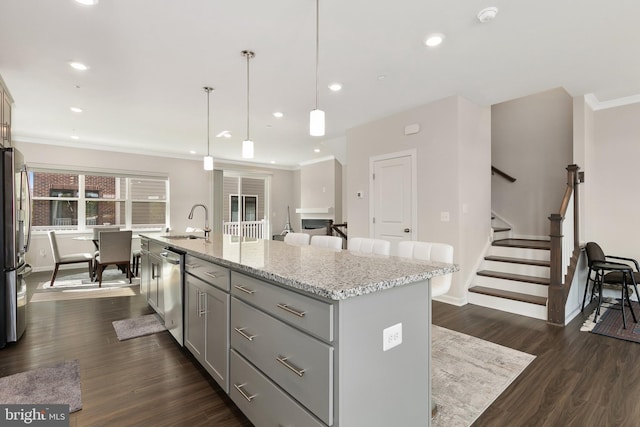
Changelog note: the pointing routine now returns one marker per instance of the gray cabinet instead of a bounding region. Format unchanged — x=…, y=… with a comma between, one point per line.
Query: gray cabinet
x=5, y=116
x=145, y=266
x=207, y=317
x=155, y=290
x=287, y=339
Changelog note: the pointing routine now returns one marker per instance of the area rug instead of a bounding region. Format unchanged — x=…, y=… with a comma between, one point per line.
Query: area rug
x=59, y=384
x=468, y=374
x=138, y=327
x=79, y=286
x=610, y=322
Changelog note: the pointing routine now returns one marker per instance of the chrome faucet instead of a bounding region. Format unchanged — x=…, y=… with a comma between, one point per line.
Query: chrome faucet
x=207, y=230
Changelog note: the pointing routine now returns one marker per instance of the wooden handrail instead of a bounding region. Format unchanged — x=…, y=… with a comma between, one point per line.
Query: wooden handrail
x=502, y=174
x=559, y=288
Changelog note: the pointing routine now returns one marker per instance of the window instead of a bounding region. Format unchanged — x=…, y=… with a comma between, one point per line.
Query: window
x=78, y=201
x=249, y=208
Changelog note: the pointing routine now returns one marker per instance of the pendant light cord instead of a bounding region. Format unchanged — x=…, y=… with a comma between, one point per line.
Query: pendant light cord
x=317, y=46
x=248, y=55
x=208, y=117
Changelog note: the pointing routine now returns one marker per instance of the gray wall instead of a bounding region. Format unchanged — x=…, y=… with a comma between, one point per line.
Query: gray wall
x=531, y=140
x=453, y=162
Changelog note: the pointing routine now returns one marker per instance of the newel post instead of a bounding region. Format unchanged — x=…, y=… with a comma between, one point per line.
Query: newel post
x=556, y=303
x=573, y=181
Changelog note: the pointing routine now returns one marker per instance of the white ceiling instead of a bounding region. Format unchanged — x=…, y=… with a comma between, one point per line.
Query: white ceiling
x=149, y=60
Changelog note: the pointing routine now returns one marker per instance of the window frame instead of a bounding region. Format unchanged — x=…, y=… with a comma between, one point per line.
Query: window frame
x=81, y=199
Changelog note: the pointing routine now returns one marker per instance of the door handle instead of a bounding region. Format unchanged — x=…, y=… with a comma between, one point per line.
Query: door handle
x=407, y=230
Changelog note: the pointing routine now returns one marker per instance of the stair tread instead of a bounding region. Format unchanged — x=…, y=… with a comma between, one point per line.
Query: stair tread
x=516, y=296
x=523, y=243
x=525, y=261
x=499, y=229
x=517, y=277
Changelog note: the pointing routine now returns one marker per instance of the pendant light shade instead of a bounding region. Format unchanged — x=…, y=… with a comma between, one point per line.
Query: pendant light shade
x=247, y=144
x=247, y=149
x=316, y=123
x=316, y=117
x=208, y=160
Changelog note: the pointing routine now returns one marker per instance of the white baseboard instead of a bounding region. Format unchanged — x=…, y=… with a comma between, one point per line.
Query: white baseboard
x=447, y=299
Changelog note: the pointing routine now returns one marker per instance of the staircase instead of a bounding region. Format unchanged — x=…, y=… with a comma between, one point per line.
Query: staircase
x=514, y=276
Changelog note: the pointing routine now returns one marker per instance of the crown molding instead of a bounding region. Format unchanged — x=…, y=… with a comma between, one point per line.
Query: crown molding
x=596, y=105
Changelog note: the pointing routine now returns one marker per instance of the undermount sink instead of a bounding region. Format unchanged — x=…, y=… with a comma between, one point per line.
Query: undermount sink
x=183, y=237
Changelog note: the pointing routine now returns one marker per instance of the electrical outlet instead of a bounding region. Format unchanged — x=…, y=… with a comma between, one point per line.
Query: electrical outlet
x=444, y=216
x=42, y=253
x=391, y=336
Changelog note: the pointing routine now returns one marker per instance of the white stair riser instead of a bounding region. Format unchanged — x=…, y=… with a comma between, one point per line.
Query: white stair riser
x=508, y=267
x=537, y=254
x=510, y=306
x=503, y=234
x=512, y=285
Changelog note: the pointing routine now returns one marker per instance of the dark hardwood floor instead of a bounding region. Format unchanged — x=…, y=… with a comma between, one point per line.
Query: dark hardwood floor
x=577, y=379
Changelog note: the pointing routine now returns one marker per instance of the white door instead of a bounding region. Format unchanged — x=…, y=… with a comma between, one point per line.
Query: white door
x=394, y=198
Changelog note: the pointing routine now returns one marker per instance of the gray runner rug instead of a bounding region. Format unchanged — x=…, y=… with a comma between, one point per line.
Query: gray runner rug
x=468, y=374
x=138, y=327
x=59, y=384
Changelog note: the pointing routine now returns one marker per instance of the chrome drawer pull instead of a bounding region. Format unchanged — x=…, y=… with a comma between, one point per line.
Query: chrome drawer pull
x=288, y=309
x=213, y=276
x=191, y=265
x=245, y=395
x=243, y=289
x=283, y=360
x=242, y=332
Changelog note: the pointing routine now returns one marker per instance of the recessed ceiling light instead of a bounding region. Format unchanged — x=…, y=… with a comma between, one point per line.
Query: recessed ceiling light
x=75, y=137
x=76, y=109
x=224, y=134
x=87, y=2
x=487, y=14
x=434, y=40
x=335, y=87
x=382, y=77
x=78, y=66
x=316, y=150
x=192, y=152
x=273, y=162
x=278, y=115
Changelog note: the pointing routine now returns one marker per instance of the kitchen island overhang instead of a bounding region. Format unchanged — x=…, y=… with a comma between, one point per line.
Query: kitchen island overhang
x=373, y=299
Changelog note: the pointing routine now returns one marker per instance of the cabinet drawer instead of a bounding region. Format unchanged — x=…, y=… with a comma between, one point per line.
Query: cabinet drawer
x=262, y=401
x=297, y=362
x=311, y=315
x=208, y=271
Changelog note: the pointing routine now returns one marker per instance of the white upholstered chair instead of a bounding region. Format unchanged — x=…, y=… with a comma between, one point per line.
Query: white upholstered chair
x=369, y=246
x=428, y=251
x=59, y=259
x=115, y=248
x=299, y=239
x=333, y=242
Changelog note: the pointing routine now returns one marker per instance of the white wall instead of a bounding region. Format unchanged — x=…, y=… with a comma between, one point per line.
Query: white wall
x=531, y=141
x=612, y=182
x=321, y=187
x=453, y=164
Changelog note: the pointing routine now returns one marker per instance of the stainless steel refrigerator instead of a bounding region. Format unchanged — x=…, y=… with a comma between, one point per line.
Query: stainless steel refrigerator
x=15, y=236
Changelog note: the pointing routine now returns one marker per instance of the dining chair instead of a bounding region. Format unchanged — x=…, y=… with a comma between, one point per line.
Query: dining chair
x=115, y=248
x=429, y=251
x=59, y=259
x=610, y=270
x=333, y=242
x=298, y=239
x=96, y=240
x=369, y=246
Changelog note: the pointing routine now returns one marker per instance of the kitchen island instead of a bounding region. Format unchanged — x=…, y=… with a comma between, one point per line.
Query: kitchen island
x=299, y=335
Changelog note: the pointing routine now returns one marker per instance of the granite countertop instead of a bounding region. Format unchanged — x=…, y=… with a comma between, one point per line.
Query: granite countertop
x=328, y=273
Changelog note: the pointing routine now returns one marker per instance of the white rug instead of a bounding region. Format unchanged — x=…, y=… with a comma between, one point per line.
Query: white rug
x=79, y=286
x=138, y=326
x=468, y=374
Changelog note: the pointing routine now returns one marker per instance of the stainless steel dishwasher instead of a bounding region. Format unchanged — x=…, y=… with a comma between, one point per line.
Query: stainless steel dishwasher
x=173, y=284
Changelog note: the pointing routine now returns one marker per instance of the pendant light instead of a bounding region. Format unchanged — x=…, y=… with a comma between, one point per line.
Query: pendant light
x=247, y=144
x=208, y=160
x=316, y=117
